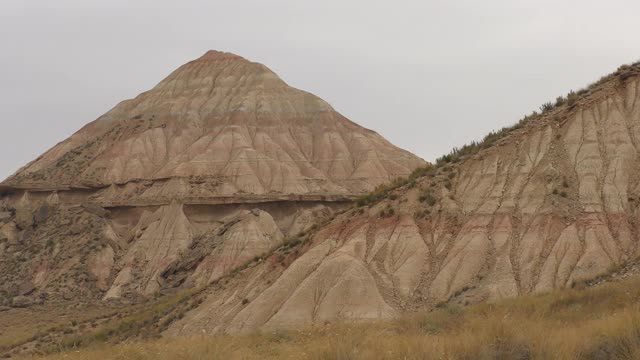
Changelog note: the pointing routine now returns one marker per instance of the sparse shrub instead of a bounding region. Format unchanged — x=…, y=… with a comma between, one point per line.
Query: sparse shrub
x=388, y=212
x=385, y=191
x=420, y=172
x=291, y=242
x=623, y=68
x=571, y=98
x=428, y=198
x=546, y=107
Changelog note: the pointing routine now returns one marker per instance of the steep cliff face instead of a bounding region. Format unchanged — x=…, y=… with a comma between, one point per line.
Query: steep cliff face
x=553, y=202
x=214, y=166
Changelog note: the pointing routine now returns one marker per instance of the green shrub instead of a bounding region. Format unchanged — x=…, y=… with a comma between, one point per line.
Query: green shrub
x=546, y=107
x=571, y=98
x=428, y=198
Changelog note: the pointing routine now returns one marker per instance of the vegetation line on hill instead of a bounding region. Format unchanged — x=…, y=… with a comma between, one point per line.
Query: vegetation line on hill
x=549, y=109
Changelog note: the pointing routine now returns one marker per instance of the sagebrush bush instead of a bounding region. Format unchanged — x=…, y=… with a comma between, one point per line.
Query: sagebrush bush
x=546, y=107
x=428, y=198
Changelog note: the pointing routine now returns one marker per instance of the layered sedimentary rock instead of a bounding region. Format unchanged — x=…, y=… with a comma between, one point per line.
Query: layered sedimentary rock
x=216, y=165
x=553, y=202
x=214, y=179
x=218, y=126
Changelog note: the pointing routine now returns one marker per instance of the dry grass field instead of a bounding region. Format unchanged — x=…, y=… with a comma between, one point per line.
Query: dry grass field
x=601, y=322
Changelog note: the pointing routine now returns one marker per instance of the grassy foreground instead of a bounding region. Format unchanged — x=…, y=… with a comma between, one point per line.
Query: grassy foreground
x=594, y=323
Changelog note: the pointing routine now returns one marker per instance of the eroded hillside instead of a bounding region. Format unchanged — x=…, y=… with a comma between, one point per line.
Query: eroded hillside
x=216, y=165
x=546, y=204
x=552, y=202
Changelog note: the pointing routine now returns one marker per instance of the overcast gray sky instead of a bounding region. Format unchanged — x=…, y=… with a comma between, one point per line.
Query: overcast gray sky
x=427, y=75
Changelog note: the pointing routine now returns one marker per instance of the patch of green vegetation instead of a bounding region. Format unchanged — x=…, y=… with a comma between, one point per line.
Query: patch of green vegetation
x=427, y=197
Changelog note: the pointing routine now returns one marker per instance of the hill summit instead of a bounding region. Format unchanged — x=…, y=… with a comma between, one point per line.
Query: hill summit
x=218, y=126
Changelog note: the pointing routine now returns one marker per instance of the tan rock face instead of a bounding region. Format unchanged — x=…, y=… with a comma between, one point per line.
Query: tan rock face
x=550, y=204
x=249, y=234
x=213, y=167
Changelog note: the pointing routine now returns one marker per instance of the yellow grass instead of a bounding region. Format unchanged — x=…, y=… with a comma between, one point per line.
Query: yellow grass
x=593, y=323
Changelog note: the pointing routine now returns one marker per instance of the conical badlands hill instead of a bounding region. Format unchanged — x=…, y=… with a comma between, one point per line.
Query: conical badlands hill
x=218, y=126
x=217, y=164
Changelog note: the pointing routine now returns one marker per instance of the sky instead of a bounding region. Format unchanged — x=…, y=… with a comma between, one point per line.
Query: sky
x=427, y=75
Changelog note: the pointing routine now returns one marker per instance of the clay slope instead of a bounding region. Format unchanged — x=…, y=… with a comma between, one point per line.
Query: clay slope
x=218, y=126
x=553, y=202
x=215, y=166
